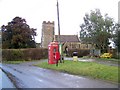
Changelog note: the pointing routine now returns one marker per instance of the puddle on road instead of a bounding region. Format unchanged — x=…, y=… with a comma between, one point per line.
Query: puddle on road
x=69, y=75
x=86, y=60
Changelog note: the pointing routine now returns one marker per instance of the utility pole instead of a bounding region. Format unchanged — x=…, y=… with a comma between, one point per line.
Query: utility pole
x=58, y=22
x=60, y=47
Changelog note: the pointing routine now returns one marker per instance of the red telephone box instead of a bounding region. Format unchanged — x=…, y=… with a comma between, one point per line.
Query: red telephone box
x=53, y=53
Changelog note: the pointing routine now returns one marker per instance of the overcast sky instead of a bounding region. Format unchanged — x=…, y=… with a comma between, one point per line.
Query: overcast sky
x=71, y=12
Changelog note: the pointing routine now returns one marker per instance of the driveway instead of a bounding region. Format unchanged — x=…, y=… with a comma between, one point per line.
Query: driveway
x=28, y=76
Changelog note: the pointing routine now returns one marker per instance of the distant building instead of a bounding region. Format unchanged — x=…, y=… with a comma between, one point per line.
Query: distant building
x=68, y=41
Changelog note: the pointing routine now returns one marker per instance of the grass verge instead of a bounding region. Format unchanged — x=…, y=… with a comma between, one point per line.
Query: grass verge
x=13, y=62
x=91, y=69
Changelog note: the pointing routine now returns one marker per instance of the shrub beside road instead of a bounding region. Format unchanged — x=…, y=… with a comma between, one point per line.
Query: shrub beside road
x=24, y=54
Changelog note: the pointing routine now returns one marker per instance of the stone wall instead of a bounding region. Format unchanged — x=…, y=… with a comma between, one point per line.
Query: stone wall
x=77, y=45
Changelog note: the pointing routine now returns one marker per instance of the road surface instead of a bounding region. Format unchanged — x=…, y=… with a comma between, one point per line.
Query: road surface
x=5, y=82
x=28, y=76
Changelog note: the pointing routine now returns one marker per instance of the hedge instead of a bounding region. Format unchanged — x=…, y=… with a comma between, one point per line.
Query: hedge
x=35, y=53
x=24, y=54
x=81, y=52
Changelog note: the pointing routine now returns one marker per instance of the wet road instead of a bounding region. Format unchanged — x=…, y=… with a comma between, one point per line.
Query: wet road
x=5, y=82
x=28, y=76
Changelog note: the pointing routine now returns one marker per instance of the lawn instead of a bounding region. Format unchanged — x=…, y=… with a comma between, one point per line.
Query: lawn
x=91, y=69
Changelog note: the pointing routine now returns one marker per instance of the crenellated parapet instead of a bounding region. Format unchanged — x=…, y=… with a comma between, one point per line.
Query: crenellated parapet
x=48, y=22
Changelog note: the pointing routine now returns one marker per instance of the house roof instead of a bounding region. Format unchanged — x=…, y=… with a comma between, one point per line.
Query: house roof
x=67, y=38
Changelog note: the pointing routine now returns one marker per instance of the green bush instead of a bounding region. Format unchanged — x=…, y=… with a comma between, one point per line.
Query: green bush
x=24, y=54
x=35, y=54
x=117, y=56
x=81, y=52
x=12, y=54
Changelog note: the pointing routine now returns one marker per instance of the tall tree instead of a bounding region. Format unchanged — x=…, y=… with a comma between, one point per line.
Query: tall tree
x=17, y=34
x=116, y=37
x=97, y=29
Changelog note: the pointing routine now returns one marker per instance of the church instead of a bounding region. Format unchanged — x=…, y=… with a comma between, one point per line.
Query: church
x=68, y=41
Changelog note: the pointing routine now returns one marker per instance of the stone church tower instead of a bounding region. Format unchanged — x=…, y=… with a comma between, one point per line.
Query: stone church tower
x=68, y=41
x=47, y=33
